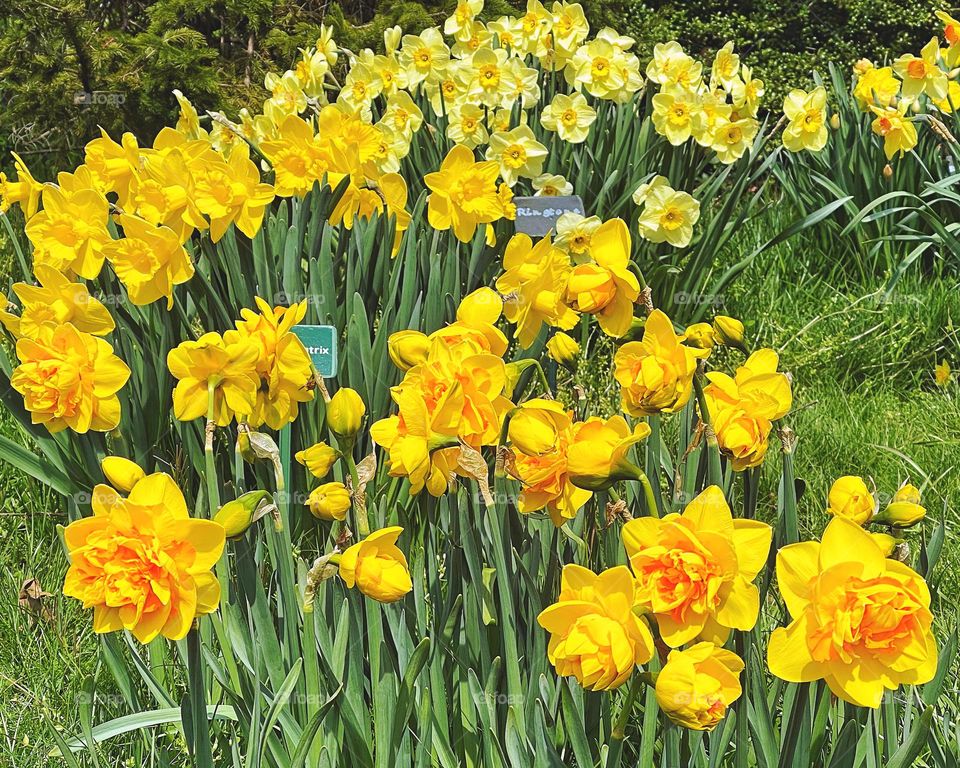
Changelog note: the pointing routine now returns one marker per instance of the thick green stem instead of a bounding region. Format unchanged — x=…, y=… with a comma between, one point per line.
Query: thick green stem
x=714, y=470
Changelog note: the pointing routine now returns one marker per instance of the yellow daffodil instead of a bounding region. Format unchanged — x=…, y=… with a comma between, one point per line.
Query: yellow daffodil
x=551, y=185
x=563, y=349
x=329, y=501
x=695, y=570
x=876, y=86
x=726, y=67
x=656, y=374
x=861, y=622
x=113, y=164
x=569, y=116
x=575, y=233
x=598, y=457
x=377, y=567
x=534, y=286
x=668, y=216
x=541, y=432
x=904, y=509
x=743, y=407
x=699, y=336
x=942, y=373
x=595, y=636
x=951, y=33
x=142, y=563
x=71, y=231
x=898, y=132
x=730, y=139
x=807, y=129
x=605, y=286
x=921, y=74
x=671, y=66
x=318, y=459
x=231, y=193
x=56, y=300
x=121, y=473
x=345, y=413
x=594, y=67
x=212, y=368
x=463, y=194
x=518, y=154
x=283, y=365
x=25, y=191
x=697, y=685
x=69, y=379
x=423, y=54
x=149, y=260
x=676, y=112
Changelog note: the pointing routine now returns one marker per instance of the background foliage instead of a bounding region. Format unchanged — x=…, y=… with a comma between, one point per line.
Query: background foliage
x=131, y=53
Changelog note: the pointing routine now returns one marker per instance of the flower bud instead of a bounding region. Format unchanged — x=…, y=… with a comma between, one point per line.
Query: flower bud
x=318, y=459
x=886, y=542
x=835, y=121
x=536, y=425
x=729, y=332
x=329, y=501
x=391, y=39
x=238, y=515
x=887, y=171
x=121, y=473
x=904, y=509
x=850, y=498
x=345, y=413
x=564, y=350
x=699, y=336
x=407, y=348
x=377, y=567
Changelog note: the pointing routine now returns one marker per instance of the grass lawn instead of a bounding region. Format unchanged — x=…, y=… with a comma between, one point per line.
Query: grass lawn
x=865, y=403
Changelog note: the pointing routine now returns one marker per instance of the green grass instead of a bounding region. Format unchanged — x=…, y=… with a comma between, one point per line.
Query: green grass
x=865, y=403
x=44, y=658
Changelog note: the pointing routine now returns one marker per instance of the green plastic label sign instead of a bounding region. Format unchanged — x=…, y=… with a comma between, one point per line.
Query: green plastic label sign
x=321, y=344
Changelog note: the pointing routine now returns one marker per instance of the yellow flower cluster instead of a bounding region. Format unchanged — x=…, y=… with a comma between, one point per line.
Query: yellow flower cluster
x=454, y=391
x=692, y=574
x=586, y=270
x=913, y=83
x=718, y=110
x=258, y=373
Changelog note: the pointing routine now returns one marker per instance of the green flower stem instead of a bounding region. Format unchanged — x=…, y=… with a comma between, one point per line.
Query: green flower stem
x=363, y=523
x=200, y=749
x=620, y=725
x=648, y=494
x=715, y=473
x=653, y=461
x=283, y=552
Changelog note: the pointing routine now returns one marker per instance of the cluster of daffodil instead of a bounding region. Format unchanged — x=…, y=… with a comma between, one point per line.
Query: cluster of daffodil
x=912, y=85
x=859, y=618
